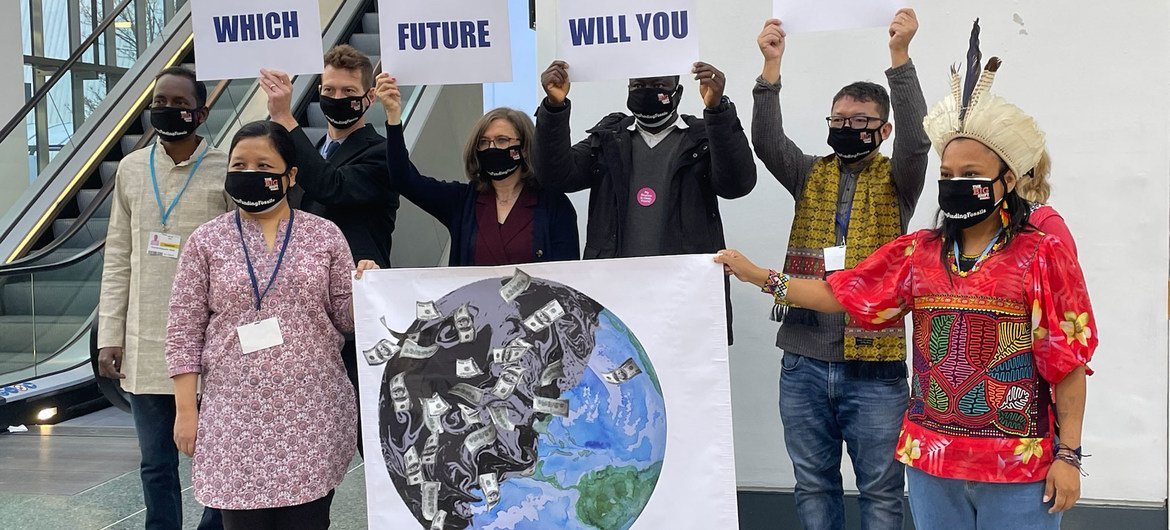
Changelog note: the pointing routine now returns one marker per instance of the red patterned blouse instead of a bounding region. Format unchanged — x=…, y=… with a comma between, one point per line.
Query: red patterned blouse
x=987, y=349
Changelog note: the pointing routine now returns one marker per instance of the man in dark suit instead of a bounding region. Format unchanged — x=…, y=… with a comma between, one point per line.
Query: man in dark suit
x=342, y=177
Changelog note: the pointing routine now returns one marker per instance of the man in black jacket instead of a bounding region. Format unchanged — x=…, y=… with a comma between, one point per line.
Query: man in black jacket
x=656, y=177
x=343, y=177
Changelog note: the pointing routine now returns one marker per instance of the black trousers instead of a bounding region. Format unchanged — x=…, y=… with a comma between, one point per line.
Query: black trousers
x=309, y=516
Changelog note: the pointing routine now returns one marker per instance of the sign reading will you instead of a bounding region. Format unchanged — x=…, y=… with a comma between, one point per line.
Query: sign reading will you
x=619, y=39
x=444, y=42
x=234, y=39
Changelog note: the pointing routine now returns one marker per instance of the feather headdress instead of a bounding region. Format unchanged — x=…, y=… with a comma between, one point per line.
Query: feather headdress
x=971, y=111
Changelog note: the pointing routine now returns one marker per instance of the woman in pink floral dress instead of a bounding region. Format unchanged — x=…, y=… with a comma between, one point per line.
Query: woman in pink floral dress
x=260, y=302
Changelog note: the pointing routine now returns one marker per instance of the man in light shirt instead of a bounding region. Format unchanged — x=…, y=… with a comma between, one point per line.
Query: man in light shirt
x=162, y=193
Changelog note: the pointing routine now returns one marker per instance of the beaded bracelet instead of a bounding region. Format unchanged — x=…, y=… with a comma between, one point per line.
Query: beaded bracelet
x=777, y=286
x=1071, y=457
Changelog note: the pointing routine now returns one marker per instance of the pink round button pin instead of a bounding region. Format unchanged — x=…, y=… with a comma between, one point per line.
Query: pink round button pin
x=646, y=196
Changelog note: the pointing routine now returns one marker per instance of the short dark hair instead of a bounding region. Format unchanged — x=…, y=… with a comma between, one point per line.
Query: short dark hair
x=867, y=92
x=180, y=71
x=275, y=133
x=346, y=57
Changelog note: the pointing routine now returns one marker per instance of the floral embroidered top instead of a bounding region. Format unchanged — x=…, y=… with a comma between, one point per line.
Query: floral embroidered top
x=987, y=349
x=278, y=426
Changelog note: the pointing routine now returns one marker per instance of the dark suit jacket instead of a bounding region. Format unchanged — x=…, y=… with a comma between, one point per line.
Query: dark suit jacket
x=352, y=189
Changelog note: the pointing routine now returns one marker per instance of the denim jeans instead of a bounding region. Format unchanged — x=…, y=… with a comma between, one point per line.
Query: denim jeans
x=951, y=504
x=154, y=421
x=821, y=408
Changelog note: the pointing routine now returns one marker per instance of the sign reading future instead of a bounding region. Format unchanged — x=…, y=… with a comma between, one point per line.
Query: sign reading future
x=446, y=42
x=234, y=42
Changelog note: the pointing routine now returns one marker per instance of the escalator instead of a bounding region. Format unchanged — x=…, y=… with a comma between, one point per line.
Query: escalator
x=53, y=237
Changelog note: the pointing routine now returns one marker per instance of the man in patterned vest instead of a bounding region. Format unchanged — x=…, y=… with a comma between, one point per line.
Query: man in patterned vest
x=840, y=383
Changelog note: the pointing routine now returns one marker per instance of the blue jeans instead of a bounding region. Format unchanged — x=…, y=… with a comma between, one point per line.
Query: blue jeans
x=950, y=504
x=821, y=408
x=154, y=421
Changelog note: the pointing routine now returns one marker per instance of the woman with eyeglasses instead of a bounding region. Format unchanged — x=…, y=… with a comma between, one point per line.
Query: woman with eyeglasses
x=499, y=216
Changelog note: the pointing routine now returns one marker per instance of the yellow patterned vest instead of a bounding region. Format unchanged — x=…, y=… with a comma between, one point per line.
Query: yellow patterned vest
x=875, y=221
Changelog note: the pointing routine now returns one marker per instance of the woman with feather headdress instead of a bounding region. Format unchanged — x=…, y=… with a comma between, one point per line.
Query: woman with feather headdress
x=1003, y=326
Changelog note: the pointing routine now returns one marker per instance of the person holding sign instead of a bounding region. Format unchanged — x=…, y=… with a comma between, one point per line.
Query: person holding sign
x=261, y=300
x=343, y=177
x=1002, y=321
x=655, y=176
x=848, y=204
x=162, y=193
x=501, y=216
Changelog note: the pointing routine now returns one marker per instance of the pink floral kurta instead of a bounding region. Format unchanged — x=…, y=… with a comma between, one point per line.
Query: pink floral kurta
x=277, y=427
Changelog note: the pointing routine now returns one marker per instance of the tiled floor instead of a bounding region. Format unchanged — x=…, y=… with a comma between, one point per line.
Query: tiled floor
x=83, y=474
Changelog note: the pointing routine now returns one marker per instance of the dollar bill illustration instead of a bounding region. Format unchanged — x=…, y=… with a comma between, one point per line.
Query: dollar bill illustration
x=435, y=405
x=412, y=350
x=623, y=373
x=466, y=368
x=398, y=393
x=439, y=521
x=490, y=485
x=430, y=500
x=413, y=464
x=383, y=351
x=468, y=393
x=480, y=438
x=545, y=316
x=516, y=286
x=555, y=370
x=556, y=407
x=507, y=382
x=431, y=449
x=470, y=414
x=464, y=324
x=501, y=418
x=433, y=424
x=428, y=311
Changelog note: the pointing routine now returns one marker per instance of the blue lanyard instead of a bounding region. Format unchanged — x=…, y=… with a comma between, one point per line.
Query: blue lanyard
x=279, y=259
x=166, y=214
x=986, y=251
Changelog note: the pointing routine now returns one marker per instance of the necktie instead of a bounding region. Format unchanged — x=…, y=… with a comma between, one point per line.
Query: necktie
x=331, y=148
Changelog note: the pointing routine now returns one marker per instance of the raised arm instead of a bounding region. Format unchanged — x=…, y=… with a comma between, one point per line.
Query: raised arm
x=559, y=165
x=783, y=158
x=733, y=169
x=911, y=145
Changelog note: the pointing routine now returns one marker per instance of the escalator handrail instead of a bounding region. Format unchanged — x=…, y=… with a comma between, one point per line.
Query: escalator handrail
x=81, y=255
x=19, y=119
x=103, y=193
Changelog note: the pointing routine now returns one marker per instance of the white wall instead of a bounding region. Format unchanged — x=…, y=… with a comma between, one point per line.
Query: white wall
x=14, y=152
x=1095, y=77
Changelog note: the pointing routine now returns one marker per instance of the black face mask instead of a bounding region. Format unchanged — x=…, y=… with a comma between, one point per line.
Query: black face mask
x=852, y=145
x=498, y=164
x=172, y=123
x=653, y=107
x=966, y=202
x=255, y=191
x=342, y=113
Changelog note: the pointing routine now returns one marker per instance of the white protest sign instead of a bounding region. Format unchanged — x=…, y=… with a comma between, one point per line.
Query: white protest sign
x=618, y=39
x=445, y=42
x=805, y=16
x=235, y=42
x=566, y=395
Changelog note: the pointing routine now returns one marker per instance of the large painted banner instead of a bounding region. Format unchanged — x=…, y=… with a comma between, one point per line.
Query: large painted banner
x=604, y=40
x=445, y=42
x=234, y=39
x=582, y=395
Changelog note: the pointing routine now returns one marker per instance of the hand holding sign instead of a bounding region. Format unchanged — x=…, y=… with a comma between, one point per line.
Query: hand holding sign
x=391, y=97
x=902, y=31
x=555, y=81
x=711, y=83
x=278, y=87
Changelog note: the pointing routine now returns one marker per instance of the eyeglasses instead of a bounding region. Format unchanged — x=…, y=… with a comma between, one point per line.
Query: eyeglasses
x=499, y=142
x=855, y=122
